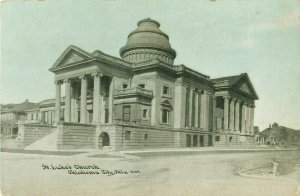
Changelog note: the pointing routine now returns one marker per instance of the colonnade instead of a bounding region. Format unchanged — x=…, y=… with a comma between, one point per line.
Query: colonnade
x=232, y=119
x=198, y=111
x=70, y=114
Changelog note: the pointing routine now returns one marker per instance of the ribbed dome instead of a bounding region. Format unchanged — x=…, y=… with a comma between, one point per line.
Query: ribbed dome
x=148, y=42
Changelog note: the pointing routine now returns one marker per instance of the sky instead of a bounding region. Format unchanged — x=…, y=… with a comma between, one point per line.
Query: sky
x=215, y=37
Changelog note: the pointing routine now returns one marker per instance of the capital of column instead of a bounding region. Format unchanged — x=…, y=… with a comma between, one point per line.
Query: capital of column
x=67, y=80
x=58, y=82
x=233, y=99
x=252, y=105
x=97, y=74
x=226, y=97
x=83, y=77
x=245, y=104
x=201, y=91
x=238, y=101
x=206, y=92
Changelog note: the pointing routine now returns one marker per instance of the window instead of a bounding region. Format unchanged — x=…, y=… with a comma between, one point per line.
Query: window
x=126, y=113
x=146, y=137
x=62, y=115
x=230, y=139
x=106, y=115
x=127, y=135
x=210, y=140
x=145, y=113
x=165, y=113
x=125, y=86
x=141, y=85
x=217, y=138
x=165, y=90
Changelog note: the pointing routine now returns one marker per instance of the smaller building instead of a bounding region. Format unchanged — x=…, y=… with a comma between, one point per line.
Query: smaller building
x=11, y=114
x=279, y=135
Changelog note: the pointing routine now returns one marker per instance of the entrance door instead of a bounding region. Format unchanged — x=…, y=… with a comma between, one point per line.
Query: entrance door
x=103, y=140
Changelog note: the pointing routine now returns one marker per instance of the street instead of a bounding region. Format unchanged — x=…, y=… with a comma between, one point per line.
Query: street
x=119, y=173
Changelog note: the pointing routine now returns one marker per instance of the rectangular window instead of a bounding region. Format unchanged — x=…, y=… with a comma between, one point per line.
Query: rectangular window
x=62, y=117
x=195, y=140
x=106, y=115
x=201, y=140
x=145, y=113
x=210, y=140
x=188, y=140
x=165, y=90
x=125, y=86
x=217, y=138
x=165, y=115
x=126, y=113
x=146, y=137
x=141, y=85
x=127, y=135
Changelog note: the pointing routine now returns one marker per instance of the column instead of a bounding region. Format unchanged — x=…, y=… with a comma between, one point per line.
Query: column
x=237, y=115
x=231, y=116
x=83, y=108
x=243, y=118
x=226, y=112
x=110, y=103
x=207, y=112
x=67, y=100
x=247, y=118
x=252, y=119
x=57, y=101
x=73, y=103
x=214, y=113
x=202, y=112
x=196, y=109
x=191, y=107
x=96, y=98
x=76, y=103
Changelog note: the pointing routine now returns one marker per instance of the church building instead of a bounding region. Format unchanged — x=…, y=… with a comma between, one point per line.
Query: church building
x=143, y=99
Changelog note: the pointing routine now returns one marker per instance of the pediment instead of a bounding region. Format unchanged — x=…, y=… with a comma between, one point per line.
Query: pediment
x=73, y=57
x=244, y=85
x=166, y=103
x=245, y=88
x=70, y=56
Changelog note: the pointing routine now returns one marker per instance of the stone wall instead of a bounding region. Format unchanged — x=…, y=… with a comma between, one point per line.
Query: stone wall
x=76, y=136
x=29, y=133
x=127, y=136
x=231, y=139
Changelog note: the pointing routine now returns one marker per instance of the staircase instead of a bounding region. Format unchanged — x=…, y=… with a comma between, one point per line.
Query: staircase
x=47, y=143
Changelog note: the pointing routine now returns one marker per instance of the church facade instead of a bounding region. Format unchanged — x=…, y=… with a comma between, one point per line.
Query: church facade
x=144, y=100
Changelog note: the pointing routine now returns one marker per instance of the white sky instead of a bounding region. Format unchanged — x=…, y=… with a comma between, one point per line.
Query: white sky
x=217, y=38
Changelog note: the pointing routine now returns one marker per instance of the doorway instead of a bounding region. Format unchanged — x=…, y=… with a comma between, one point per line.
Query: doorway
x=103, y=140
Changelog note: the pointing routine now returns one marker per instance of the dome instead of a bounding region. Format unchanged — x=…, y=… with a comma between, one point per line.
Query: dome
x=148, y=42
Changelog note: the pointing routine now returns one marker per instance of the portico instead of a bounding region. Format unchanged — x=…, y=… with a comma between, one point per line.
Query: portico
x=232, y=109
x=92, y=97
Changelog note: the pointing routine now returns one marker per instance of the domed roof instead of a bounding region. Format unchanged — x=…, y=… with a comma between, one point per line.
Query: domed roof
x=148, y=35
